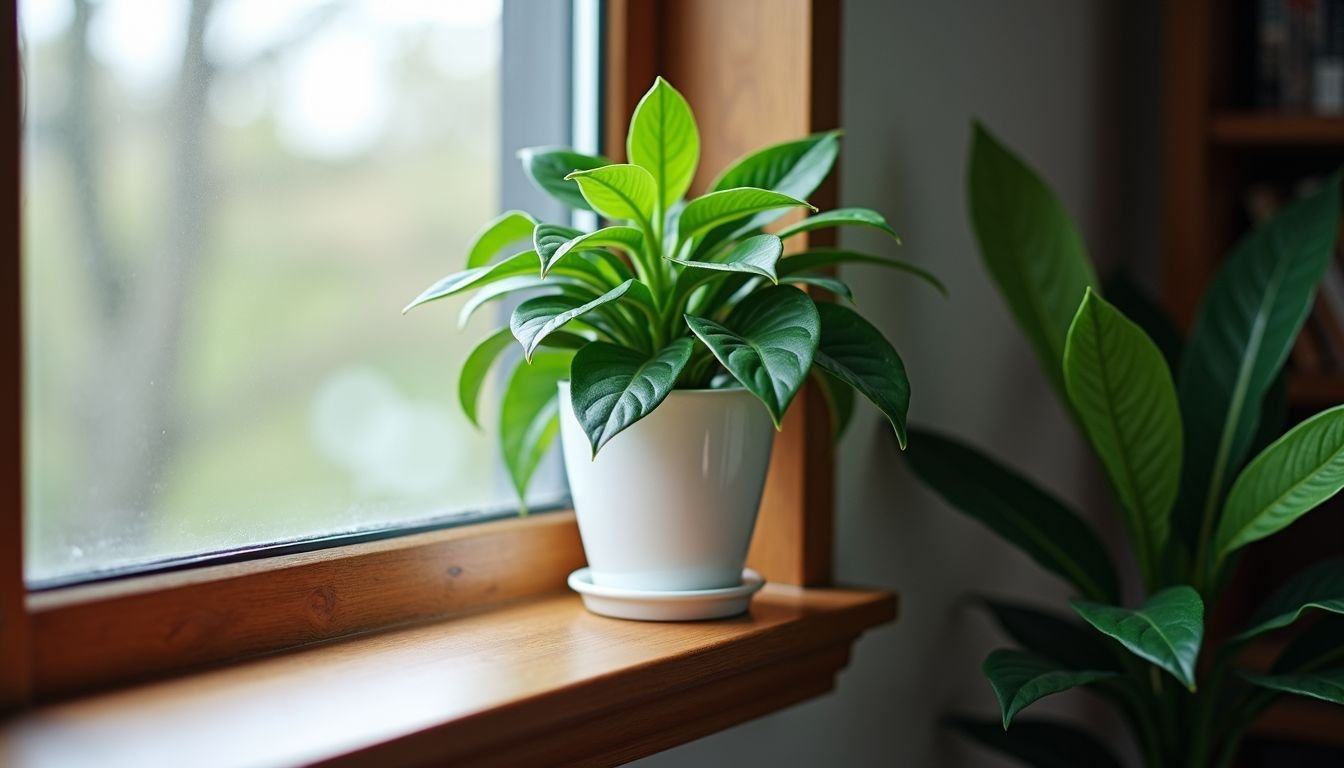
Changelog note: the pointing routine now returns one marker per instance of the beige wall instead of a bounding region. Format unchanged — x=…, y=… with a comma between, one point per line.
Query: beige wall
x=1070, y=84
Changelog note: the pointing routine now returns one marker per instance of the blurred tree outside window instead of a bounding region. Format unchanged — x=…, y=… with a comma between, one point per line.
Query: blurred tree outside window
x=226, y=204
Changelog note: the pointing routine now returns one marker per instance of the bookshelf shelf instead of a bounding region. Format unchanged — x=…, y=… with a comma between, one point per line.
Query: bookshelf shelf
x=1252, y=129
x=1316, y=390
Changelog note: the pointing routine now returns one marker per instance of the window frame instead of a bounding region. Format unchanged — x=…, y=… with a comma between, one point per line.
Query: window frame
x=71, y=640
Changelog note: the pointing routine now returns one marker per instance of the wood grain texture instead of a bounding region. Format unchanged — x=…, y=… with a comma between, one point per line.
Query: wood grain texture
x=103, y=634
x=779, y=82
x=14, y=664
x=538, y=682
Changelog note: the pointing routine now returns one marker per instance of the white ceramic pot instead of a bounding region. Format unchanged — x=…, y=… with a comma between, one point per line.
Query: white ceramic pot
x=670, y=503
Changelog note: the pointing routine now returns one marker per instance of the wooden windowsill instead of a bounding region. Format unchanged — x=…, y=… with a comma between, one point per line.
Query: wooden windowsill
x=536, y=682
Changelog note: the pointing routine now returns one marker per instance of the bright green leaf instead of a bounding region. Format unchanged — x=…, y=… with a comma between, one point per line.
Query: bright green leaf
x=860, y=217
x=627, y=239
x=1040, y=743
x=549, y=238
x=1290, y=478
x=509, y=228
x=756, y=255
x=794, y=168
x=664, y=140
x=715, y=208
x=502, y=288
x=767, y=342
x=1320, y=586
x=825, y=257
x=547, y=167
x=535, y=318
x=855, y=352
x=476, y=277
x=1326, y=686
x=613, y=387
x=1030, y=246
x=475, y=369
x=1123, y=394
x=1020, y=678
x=1243, y=332
x=1166, y=630
x=618, y=191
x=1028, y=517
x=529, y=415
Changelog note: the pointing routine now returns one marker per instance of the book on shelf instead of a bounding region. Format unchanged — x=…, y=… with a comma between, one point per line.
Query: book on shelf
x=1299, y=59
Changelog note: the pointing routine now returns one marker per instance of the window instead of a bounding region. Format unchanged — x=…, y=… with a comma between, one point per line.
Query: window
x=225, y=205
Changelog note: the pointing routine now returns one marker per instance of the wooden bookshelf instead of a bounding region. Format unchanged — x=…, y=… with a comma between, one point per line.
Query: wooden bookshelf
x=1251, y=129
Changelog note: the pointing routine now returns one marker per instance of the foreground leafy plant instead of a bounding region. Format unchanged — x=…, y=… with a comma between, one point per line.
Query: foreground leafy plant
x=1177, y=451
x=675, y=294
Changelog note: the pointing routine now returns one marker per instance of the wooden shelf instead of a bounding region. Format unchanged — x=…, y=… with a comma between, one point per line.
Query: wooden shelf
x=1316, y=390
x=1297, y=719
x=1249, y=129
x=536, y=682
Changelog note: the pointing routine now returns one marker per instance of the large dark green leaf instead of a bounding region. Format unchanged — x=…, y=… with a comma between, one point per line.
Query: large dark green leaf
x=548, y=167
x=613, y=387
x=1020, y=678
x=1243, y=332
x=825, y=257
x=840, y=217
x=1290, y=478
x=855, y=352
x=1067, y=643
x=794, y=168
x=1320, y=646
x=839, y=399
x=756, y=255
x=518, y=264
x=664, y=140
x=1326, y=686
x=533, y=285
x=529, y=415
x=627, y=239
x=1122, y=391
x=549, y=238
x=509, y=228
x=767, y=342
x=1030, y=246
x=1040, y=743
x=1028, y=517
x=1320, y=586
x=832, y=284
x=535, y=318
x=715, y=208
x=1166, y=630
x=618, y=191
x=475, y=369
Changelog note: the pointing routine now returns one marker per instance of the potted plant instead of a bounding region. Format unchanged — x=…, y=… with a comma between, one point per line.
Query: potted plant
x=1198, y=471
x=665, y=346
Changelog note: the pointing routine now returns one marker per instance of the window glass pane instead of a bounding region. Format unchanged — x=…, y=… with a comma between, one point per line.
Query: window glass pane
x=226, y=204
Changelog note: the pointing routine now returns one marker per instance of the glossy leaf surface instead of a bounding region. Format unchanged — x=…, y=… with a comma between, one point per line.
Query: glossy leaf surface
x=855, y=352
x=613, y=387
x=841, y=217
x=618, y=191
x=529, y=414
x=1319, y=587
x=715, y=208
x=757, y=255
x=664, y=140
x=509, y=228
x=1020, y=678
x=1166, y=630
x=535, y=318
x=547, y=167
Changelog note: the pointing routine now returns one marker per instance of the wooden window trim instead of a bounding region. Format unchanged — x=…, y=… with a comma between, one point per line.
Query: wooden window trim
x=73, y=640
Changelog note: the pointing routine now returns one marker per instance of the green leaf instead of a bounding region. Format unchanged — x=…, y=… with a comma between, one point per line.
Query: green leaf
x=627, y=239
x=833, y=285
x=547, y=239
x=476, y=277
x=1320, y=586
x=664, y=140
x=839, y=399
x=475, y=369
x=1123, y=394
x=1040, y=743
x=767, y=342
x=1028, y=517
x=1326, y=686
x=756, y=255
x=1290, y=478
x=510, y=227
x=618, y=191
x=1030, y=246
x=1068, y=644
x=855, y=352
x=613, y=387
x=529, y=415
x=502, y=288
x=861, y=217
x=825, y=257
x=1020, y=678
x=1320, y=645
x=548, y=167
x=535, y=318
x=1243, y=332
x=1166, y=630
x=794, y=168
x=716, y=208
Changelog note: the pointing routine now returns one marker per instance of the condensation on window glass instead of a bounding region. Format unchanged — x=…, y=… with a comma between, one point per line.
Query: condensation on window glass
x=226, y=205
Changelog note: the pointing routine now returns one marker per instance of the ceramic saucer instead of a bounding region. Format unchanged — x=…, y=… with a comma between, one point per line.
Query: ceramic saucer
x=649, y=605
